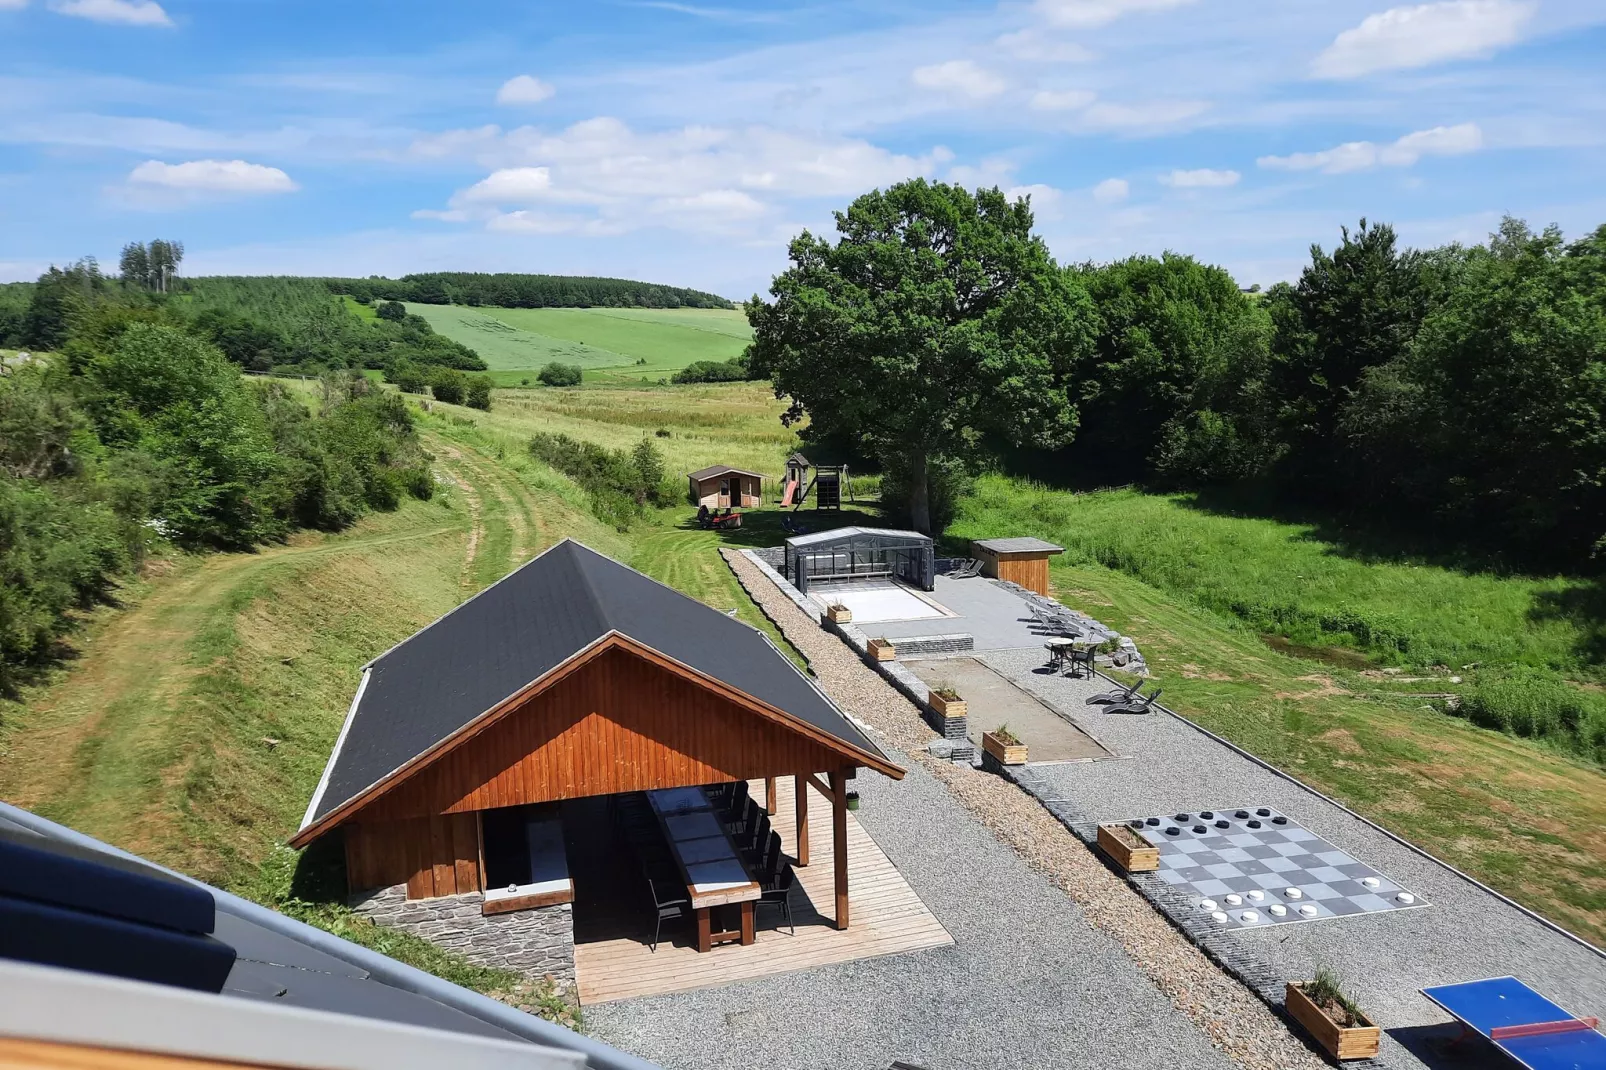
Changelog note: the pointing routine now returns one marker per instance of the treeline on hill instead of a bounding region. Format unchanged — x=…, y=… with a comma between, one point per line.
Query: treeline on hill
x=735, y=370
x=1459, y=389
x=622, y=484
x=140, y=432
x=524, y=291
x=261, y=324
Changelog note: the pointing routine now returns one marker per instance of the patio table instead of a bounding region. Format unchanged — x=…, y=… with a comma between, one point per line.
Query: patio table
x=708, y=861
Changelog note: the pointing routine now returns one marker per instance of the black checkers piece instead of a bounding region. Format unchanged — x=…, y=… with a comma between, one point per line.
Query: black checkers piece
x=1154, y=821
x=1254, y=824
x=1279, y=820
x=1137, y=824
x=1182, y=819
x=1172, y=830
x=1199, y=829
x=1206, y=814
x=1241, y=814
x=1263, y=812
x=1223, y=824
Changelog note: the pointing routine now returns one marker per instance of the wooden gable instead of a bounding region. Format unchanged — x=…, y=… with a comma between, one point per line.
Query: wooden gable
x=619, y=722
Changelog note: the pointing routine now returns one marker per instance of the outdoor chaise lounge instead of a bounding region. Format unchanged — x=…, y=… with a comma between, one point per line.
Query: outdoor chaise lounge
x=965, y=569
x=1136, y=704
x=1120, y=694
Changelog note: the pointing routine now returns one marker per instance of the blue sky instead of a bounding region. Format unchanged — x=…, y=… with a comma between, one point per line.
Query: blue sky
x=686, y=143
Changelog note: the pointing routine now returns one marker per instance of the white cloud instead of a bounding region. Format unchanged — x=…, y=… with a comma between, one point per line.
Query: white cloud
x=1203, y=178
x=1046, y=200
x=13, y=5
x=1111, y=191
x=1405, y=37
x=524, y=89
x=1133, y=118
x=1365, y=155
x=1036, y=46
x=212, y=176
x=600, y=176
x=962, y=77
x=1062, y=100
x=1098, y=12
x=127, y=12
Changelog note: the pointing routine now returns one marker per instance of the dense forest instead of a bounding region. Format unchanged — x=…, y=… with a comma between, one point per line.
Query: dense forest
x=1459, y=392
x=524, y=291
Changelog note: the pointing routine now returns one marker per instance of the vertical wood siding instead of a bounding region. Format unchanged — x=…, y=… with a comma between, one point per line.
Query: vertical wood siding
x=431, y=855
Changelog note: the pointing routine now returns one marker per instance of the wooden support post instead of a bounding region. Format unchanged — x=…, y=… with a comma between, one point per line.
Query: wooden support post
x=839, y=834
x=800, y=802
x=769, y=795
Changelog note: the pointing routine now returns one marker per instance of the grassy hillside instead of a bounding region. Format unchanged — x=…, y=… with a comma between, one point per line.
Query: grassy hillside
x=195, y=722
x=514, y=341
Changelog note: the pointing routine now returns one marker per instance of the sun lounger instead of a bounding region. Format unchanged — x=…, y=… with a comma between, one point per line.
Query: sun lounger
x=1137, y=704
x=1120, y=694
x=965, y=569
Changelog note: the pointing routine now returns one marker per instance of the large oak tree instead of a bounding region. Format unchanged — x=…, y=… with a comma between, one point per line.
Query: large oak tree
x=935, y=324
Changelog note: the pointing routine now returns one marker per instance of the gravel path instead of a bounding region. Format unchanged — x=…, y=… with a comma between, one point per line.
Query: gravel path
x=1235, y=1022
x=1384, y=959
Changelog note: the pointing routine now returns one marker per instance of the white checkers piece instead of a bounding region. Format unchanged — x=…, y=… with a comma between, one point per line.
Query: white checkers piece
x=1207, y=904
x=1277, y=910
x=1255, y=895
x=1219, y=916
x=1308, y=910
x=1293, y=893
x=1406, y=898
x=1234, y=899
x=1249, y=917
x=1370, y=882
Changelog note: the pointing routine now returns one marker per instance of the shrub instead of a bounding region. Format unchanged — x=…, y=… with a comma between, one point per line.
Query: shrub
x=1530, y=702
x=621, y=483
x=556, y=374
x=450, y=385
x=394, y=311
x=479, y=392
x=713, y=371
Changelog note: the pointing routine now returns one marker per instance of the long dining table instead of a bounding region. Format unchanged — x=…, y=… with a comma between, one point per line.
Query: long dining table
x=709, y=863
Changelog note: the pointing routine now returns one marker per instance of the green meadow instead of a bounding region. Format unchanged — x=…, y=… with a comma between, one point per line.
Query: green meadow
x=612, y=344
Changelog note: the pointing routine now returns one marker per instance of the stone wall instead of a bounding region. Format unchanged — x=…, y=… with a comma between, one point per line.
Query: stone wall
x=537, y=942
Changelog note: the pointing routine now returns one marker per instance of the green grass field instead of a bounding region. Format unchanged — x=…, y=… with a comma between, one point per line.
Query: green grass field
x=620, y=344
x=194, y=722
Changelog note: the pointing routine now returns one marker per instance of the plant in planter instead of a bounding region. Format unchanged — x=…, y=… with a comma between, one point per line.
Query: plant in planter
x=1131, y=850
x=837, y=613
x=882, y=650
x=1004, y=745
x=945, y=701
x=1331, y=1016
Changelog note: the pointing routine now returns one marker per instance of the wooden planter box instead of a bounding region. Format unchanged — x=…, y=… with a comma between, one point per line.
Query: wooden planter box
x=1131, y=849
x=1356, y=1042
x=1006, y=753
x=944, y=707
x=882, y=650
x=839, y=614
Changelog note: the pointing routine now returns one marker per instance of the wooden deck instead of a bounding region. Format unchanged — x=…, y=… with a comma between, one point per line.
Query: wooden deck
x=886, y=918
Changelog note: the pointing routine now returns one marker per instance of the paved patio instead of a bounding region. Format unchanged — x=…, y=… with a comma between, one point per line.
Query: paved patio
x=996, y=618
x=1465, y=934
x=994, y=700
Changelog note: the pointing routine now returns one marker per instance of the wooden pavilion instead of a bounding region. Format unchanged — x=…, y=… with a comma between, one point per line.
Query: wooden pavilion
x=722, y=487
x=572, y=677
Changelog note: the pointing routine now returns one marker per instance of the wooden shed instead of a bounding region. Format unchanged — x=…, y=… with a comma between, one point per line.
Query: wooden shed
x=572, y=677
x=1023, y=560
x=724, y=487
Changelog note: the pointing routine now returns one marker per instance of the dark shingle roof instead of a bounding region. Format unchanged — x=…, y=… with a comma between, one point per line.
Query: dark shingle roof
x=519, y=629
x=1022, y=545
x=722, y=469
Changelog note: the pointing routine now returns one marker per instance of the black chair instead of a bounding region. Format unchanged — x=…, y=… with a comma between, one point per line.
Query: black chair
x=737, y=803
x=1082, y=660
x=778, y=893
x=668, y=909
x=771, y=862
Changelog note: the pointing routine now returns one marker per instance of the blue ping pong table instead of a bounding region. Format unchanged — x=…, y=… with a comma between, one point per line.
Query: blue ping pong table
x=1532, y=1030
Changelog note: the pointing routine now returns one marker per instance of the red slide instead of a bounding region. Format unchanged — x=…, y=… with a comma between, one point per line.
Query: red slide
x=791, y=489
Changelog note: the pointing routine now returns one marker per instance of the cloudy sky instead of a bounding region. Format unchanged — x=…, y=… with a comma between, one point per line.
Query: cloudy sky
x=685, y=142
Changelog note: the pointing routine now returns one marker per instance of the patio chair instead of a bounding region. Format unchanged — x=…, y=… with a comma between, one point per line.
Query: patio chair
x=1140, y=704
x=966, y=569
x=1083, y=658
x=668, y=906
x=1120, y=694
x=736, y=802
x=778, y=893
